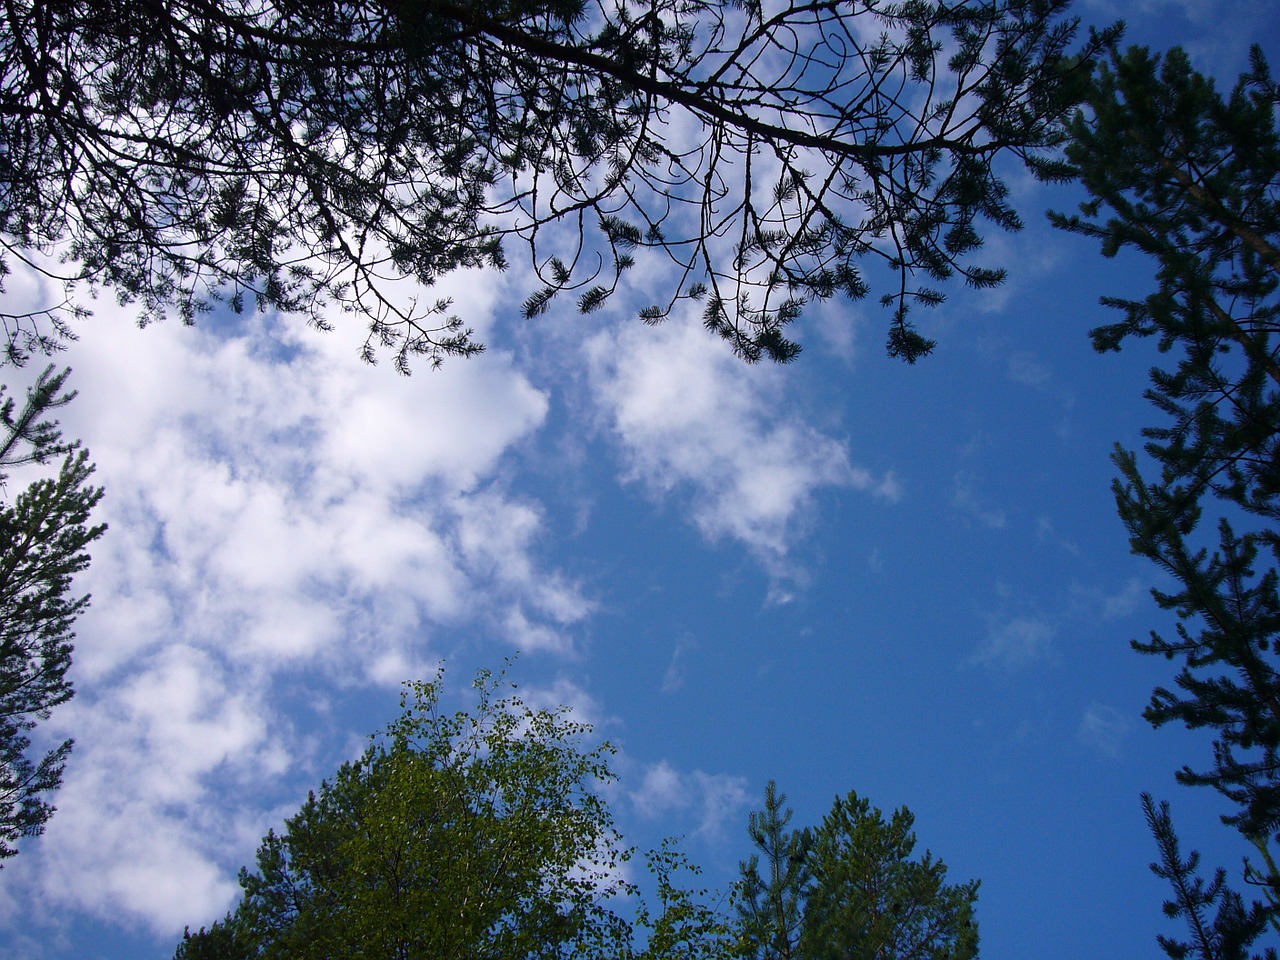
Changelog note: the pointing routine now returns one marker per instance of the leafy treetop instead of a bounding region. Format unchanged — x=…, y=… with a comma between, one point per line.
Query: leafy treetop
x=481, y=834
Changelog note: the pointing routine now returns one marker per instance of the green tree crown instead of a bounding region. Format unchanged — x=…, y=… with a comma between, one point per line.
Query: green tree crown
x=44, y=535
x=850, y=888
x=1190, y=177
x=478, y=834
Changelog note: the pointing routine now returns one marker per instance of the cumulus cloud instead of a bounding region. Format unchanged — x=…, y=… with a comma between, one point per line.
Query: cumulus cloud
x=136, y=832
x=690, y=418
x=274, y=507
x=267, y=497
x=713, y=801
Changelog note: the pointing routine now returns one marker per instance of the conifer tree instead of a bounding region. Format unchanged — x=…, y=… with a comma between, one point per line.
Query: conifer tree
x=1191, y=178
x=771, y=910
x=1226, y=933
x=301, y=156
x=850, y=889
x=44, y=533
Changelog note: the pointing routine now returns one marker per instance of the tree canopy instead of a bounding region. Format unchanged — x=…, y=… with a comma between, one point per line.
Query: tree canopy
x=484, y=834
x=850, y=888
x=473, y=835
x=1191, y=178
x=44, y=533
x=295, y=156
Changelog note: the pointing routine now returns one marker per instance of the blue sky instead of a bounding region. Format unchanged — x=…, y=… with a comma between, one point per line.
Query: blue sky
x=843, y=574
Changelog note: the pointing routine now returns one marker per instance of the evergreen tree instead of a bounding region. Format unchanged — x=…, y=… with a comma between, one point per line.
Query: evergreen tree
x=771, y=911
x=1232, y=928
x=44, y=534
x=870, y=900
x=850, y=889
x=297, y=155
x=1191, y=178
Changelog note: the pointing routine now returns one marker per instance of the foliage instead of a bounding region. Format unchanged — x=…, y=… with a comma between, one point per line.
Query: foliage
x=772, y=910
x=475, y=835
x=1232, y=929
x=295, y=155
x=1191, y=178
x=686, y=926
x=472, y=835
x=854, y=888
x=44, y=533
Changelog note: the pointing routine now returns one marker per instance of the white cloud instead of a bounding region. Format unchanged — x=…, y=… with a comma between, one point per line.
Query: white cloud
x=274, y=507
x=661, y=790
x=532, y=637
x=563, y=692
x=674, y=678
x=721, y=799
x=690, y=417
x=712, y=800
x=1104, y=729
x=136, y=832
x=1018, y=642
x=838, y=325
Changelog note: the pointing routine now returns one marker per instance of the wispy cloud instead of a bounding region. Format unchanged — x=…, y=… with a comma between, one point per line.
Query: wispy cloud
x=1047, y=532
x=1103, y=729
x=966, y=499
x=713, y=800
x=674, y=678
x=1017, y=642
x=274, y=507
x=1124, y=601
x=1025, y=369
x=1111, y=602
x=693, y=420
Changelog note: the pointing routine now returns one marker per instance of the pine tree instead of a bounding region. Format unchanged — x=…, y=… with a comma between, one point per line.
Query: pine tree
x=1191, y=178
x=771, y=910
x=872, y=899
x=297, y=156
x=850, y=888
x=1232, y=928
x=44, y=534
